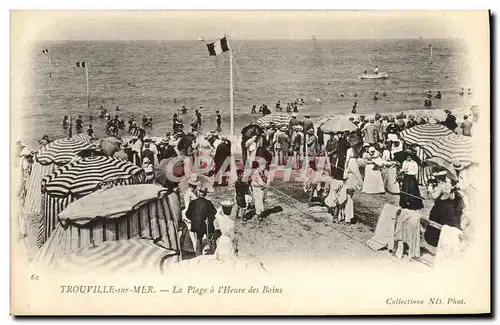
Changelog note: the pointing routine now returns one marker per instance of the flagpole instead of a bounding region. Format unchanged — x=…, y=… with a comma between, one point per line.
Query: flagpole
x=50, y=65
x=87, y=80
x=431, y=52
x=233, y=142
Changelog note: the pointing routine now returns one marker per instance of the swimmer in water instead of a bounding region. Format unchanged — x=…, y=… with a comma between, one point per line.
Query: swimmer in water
x=355, y=95
x=462, y=92
x=175, y=100
x=117, y=108
x=375, y=96
x=384, y=94
x=354, y=106
x=341, y=95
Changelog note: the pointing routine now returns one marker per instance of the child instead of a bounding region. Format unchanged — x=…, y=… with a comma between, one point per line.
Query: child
x=243, y=194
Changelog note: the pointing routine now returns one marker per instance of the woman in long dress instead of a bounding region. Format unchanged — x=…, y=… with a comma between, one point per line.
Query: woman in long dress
x=352, y=175
x=373, y=182
x=409, y=197
x=444, y=210
x=390, y=171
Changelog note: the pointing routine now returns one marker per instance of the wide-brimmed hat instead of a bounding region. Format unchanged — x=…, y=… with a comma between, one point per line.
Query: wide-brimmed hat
x=457, y=164
x=294, y=114
x=366, y=144
x=298, y=127
x=311, y=131
x=147, y=139
x=145, y=160
x=307, y=115
x=440, y=173
x=164, y=140
x=284, y=128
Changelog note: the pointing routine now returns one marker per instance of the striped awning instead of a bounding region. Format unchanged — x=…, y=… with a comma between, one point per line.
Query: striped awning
x=122, y=256
x=83, y=136
x=280, y=119
x=62, y=151
x=423, y=134
x=453, y=147
x=86, y=175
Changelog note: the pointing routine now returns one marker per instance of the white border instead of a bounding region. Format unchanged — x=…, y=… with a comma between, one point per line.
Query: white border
x=214, y=4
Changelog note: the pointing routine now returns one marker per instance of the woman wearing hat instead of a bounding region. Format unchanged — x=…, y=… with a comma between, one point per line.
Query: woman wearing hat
x=226, y=243
x=351, y=173
x=373, y=182
x=409, y=197
x=461, y=188
x=148, y=169
x=390, y=173
x=312, y=143
x=444, y=210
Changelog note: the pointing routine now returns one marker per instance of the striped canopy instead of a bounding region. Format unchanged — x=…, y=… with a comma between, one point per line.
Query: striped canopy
x=424, y=134
x=281, y=119
x=84, y=176
x=83, y=136
x=123, y=256
x=119, y=213
x=453, y=147
x=62, y=151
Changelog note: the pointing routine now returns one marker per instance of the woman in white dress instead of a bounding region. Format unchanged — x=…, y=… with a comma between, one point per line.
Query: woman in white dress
x=373, y=182
x=390, y=171
x=352, y=176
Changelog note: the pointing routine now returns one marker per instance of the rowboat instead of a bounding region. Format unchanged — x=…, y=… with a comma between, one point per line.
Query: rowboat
x=381, y=75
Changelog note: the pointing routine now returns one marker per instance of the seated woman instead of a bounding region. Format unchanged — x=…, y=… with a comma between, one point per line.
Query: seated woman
x=373, y=182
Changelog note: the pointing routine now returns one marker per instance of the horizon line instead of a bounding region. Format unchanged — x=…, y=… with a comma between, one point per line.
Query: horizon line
x=255, y=39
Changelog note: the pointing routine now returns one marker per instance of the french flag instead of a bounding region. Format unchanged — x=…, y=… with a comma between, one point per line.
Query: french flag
x=218, y=47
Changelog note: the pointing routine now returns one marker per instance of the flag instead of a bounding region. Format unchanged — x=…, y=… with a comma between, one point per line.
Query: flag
x=80, y=64
x=218, y=47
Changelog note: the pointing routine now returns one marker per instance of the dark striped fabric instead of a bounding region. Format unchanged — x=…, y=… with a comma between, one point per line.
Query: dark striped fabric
x=279, y=119
x=149, y=219
x=453, y=147
x=119, y=257
x=77, y=179
x=62, y=151
x=424, y=134
x=218, y=47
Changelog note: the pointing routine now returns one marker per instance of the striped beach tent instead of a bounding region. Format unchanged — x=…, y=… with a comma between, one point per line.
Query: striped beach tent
x=451, y=147
x=77, y=179
x=47, y=159
x=424, y=134
x=419, y=136
x=130, y=256
x=280, y=119
x=118, y=213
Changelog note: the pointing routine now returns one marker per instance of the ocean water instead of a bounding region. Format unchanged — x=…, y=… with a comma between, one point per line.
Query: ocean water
x=146, y=77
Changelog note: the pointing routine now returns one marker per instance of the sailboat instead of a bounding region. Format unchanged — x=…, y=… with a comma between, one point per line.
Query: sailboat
x=201, y=39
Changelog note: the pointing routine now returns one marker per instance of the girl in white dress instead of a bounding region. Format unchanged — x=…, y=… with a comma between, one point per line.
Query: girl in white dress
x=373, y=182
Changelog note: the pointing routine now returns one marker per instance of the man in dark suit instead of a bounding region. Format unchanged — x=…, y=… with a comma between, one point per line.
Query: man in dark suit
x=201, y=212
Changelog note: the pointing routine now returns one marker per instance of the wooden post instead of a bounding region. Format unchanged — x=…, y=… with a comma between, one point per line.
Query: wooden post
x=233, y=140
x=87, y=80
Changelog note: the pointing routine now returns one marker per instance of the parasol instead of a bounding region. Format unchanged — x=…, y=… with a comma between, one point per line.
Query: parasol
x=402, y=155
x=423, y=134
x=338, y=125
x=110, y=145
x=206, y=183
x=438, y=162
x=453, y=147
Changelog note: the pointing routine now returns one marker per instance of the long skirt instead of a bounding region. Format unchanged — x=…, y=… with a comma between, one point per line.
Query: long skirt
x=352, y=175
x=258, y=196
x=443, y=212
x=409, y=198
x=373, y=183
x=390, y=180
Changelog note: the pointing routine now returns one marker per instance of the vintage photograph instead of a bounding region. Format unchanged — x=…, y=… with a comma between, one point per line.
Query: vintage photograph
x=250, y=162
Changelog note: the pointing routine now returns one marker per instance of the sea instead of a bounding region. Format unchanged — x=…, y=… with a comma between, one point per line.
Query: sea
x=156, y=78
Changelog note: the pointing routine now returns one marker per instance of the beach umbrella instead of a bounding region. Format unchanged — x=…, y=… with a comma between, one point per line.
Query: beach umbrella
x=62, y=151
x=280, y=119
x=83, y=136
x=338, y=125
x=453, y=147
x=440, y=163
x=110, y=145
x=122, y=256
x=77, y=179
x=48, y=158
x=169, y=167
x=402, y=155
x=111, y=214
x=424, y=134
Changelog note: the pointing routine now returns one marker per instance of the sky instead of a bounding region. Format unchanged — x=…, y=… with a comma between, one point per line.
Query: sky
x=182, y=25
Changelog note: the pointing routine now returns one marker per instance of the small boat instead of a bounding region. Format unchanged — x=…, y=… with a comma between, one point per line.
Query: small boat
x=380, y=75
